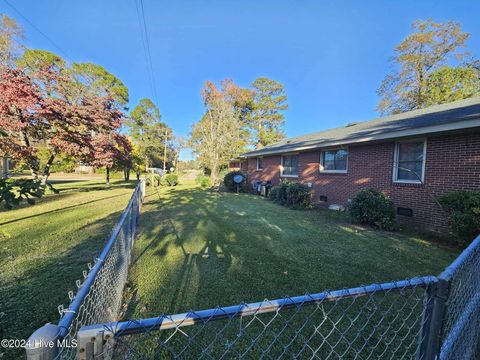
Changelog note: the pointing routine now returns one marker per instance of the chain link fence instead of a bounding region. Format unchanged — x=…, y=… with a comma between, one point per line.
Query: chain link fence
x=99, y=295
x=461, y=323
x=423, y=318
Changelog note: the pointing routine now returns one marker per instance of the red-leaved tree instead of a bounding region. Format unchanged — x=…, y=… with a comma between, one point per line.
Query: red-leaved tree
x=36, y=109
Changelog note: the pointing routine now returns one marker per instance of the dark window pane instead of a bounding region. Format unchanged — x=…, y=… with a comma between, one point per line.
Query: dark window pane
x=335, y=160
x=290, y=165
x=410, y=161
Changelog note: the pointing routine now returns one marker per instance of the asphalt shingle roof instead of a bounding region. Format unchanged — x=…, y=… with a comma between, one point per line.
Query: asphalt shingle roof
x=455, y=115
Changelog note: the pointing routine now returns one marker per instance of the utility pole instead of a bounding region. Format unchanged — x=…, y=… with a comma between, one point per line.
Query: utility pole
x=165, y=151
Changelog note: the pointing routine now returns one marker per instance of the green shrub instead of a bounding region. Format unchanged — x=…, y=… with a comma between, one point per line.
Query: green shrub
x=298, y=196
x=230, y=184
x=204, y=181
x=170, y=179
x=463, y=210
x=155, y=177
x=291, y=194
x=371, y=207
x=278, y=193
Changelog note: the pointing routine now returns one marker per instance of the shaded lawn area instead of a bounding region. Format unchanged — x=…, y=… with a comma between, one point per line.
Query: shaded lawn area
x=197, y=249
x=44, y=248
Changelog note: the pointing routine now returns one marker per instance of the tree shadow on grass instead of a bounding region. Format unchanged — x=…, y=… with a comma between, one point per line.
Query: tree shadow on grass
x=256, y=250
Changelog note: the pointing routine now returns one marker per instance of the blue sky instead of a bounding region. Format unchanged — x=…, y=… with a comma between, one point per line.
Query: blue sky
x=331, y=56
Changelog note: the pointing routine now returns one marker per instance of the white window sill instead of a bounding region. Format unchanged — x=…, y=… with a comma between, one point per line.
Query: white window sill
x=290, y=176
x=333, y=171
x=407, y=182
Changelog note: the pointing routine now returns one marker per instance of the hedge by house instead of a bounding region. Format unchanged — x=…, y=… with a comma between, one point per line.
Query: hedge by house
x=371, y=207
x=292, y=194
x=463, y=210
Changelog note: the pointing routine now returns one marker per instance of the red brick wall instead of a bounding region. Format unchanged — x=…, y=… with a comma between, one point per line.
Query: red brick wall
x=452, y=164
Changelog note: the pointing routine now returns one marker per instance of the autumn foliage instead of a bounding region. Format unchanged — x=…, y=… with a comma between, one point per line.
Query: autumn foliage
x=38, y=109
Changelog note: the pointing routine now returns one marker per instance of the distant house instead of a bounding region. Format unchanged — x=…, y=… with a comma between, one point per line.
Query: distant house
x=237, y=163
x=413, y=157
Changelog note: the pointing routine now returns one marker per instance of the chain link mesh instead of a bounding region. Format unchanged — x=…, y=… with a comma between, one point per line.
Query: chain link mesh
x=461, y=326
x=370, y=322
x=102, y=301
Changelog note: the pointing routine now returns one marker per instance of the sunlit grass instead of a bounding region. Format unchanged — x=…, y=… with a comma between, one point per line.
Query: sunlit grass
x=198, y=249
x=45, y=247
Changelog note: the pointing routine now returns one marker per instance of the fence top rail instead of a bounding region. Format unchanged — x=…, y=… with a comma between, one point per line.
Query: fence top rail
x=70, y=313
x=165, y=322
x=460, y=260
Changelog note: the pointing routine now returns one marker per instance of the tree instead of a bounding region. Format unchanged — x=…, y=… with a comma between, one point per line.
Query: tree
x=34, y=112
x=10, y=34
x=431, y=46
x=219, y=135
x=149, y=134
x=34, y=60
x=93, y=79
x=448, y=84
x=112, y=151
x=266, y=119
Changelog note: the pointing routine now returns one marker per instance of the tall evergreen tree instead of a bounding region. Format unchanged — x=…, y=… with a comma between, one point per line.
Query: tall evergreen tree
x=266, y=118
x=149, y=133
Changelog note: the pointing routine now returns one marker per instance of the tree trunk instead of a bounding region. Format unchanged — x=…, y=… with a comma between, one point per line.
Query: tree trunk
x=126, y=174
x=107, y=176
x=46, y=169
x=214, y=174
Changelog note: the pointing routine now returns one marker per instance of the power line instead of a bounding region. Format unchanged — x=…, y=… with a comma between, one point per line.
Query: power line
x=146, y=46
x=38, y=30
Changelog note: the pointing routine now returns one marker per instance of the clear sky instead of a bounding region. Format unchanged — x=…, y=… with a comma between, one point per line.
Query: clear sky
x=331, y=55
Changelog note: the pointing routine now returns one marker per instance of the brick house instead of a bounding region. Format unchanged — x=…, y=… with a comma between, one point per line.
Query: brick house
x=412, y=157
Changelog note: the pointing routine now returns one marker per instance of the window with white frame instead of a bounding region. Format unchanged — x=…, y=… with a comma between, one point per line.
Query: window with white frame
x=290, y=165
x=334, y=161
x=409, y=161
x=259, y=163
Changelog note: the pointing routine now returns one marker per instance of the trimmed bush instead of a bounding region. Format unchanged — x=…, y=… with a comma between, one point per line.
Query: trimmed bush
x=463, y=210
x=278, y=193
x=291, y=194
x=204, y=181
x=170, y=179
x=298, y=196
x=230, y=184
x=371, y=207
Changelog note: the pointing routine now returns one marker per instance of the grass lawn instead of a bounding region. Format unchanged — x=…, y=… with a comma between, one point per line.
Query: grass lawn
x=44, y=248
x=197, y=249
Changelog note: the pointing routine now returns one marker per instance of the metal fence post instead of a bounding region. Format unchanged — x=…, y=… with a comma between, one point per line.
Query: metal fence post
x=94, y=342
x=43, y=343
x=432, y=321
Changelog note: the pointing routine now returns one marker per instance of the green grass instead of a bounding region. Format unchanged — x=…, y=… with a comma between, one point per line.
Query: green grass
x=198, y=249
x=45, y=247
